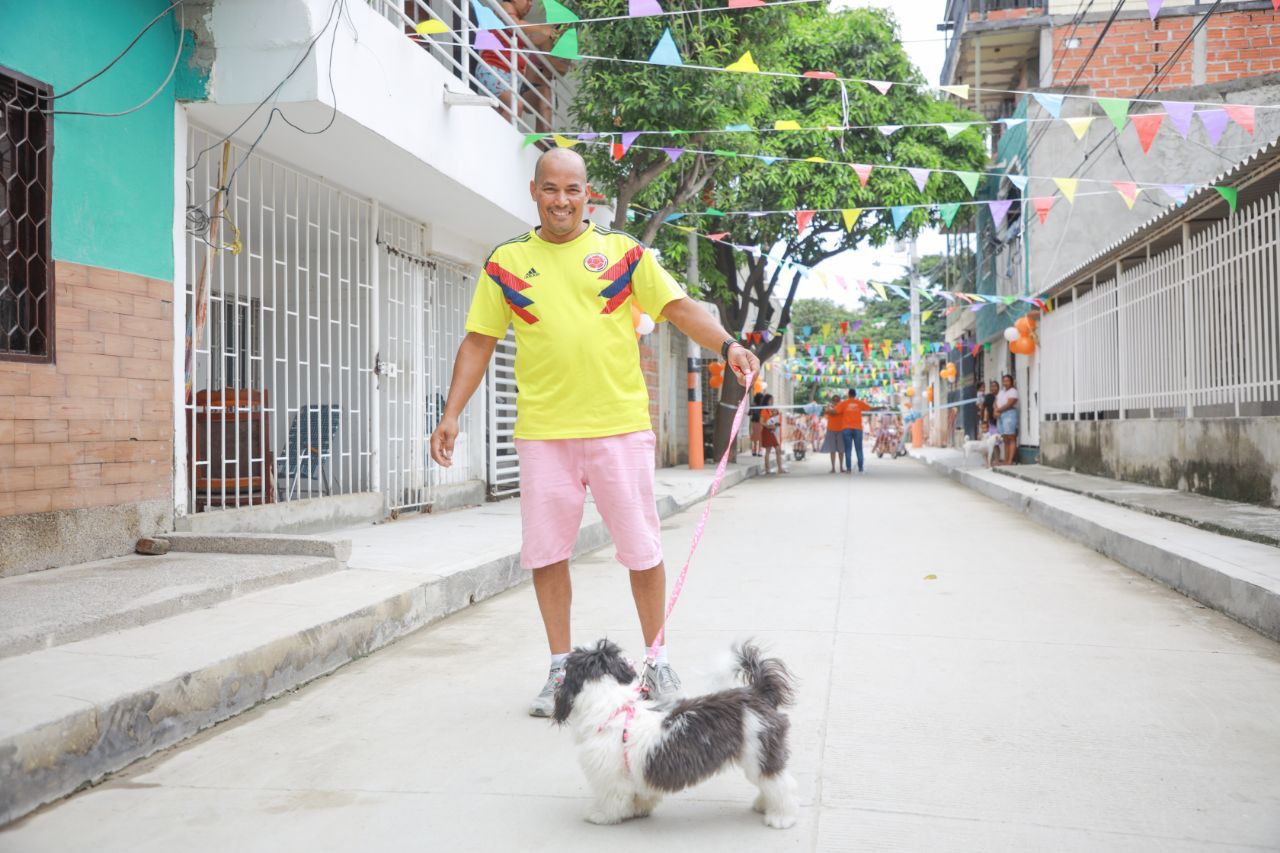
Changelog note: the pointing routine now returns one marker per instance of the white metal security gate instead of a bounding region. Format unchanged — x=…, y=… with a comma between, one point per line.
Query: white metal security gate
x=504, y=465
x=278, y=352
x=424, y=306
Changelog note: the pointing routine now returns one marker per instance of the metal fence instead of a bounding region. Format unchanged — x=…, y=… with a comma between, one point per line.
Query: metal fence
x=320, y=335
x=541, y=92
x=504, y=465
x=1191, y=332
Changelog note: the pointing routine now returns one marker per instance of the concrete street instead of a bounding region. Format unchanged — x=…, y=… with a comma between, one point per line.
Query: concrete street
x=1031, y=696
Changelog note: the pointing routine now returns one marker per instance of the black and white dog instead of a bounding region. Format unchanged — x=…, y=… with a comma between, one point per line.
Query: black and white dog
x=634, y=751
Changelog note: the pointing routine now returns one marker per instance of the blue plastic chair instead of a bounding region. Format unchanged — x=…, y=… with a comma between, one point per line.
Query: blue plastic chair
x=309, y=452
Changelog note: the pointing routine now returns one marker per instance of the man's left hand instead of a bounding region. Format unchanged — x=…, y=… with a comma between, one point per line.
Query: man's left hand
x=744, y=363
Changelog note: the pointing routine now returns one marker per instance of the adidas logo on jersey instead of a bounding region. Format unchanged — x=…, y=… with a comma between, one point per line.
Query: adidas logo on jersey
x=531, y=273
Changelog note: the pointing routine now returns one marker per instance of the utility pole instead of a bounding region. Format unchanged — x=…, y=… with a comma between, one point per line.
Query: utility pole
x=696, y=460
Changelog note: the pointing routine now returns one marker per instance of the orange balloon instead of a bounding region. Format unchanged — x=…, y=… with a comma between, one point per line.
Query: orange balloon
x=716, y=381
x=928, y=394
x=1023, y=325
x=1023, y=346
x=716, y=368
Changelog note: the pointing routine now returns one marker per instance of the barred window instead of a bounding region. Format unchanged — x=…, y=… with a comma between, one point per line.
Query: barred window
x=26, y=148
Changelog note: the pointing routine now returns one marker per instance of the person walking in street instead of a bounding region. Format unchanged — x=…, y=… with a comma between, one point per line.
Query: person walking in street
x=1006, y=408
x=770, y=438
x=851, y=410
x=757, y=400
x=582, y=411
x=833, y=441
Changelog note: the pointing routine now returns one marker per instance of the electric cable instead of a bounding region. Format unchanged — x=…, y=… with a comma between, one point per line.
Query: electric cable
x=120, y=55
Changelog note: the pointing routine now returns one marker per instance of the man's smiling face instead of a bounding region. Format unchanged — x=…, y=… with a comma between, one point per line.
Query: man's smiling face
x=559, y=188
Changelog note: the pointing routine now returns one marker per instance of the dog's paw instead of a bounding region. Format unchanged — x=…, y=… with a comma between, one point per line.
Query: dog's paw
x=758, y=805
x=780, y=821
x=603, y=818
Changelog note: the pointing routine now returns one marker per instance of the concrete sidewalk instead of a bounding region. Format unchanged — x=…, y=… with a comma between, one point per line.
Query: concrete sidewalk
x=1210, y=550
x=968, y=682
x=143, y=678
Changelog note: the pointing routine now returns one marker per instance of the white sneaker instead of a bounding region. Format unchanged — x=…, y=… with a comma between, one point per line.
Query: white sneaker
x=662, y=683
x=546, y=701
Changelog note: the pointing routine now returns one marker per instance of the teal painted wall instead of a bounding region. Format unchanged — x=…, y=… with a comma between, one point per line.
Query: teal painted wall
x=112, y=177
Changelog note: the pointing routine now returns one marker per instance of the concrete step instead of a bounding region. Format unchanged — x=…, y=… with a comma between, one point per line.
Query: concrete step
x=72, y=714
x=1236, y=576
x=58, y=606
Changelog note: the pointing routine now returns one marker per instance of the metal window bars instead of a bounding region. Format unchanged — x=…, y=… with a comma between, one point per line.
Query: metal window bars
x=26, y=145
x=541, y=92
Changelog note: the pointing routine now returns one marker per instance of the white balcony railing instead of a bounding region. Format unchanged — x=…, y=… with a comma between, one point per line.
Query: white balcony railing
x=536, y=98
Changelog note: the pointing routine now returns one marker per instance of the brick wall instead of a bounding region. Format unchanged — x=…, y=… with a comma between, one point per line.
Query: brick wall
x=96, y=428
x=649, y=366
x=1238, y=44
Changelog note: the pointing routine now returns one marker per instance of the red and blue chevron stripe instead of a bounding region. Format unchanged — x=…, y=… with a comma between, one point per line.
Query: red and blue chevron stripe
x=619, y=278
x=512, y=285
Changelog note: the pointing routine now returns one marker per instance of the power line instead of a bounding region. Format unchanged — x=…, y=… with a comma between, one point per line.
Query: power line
x=119, y=56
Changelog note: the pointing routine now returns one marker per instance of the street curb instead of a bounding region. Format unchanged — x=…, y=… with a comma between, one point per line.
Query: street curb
x=1221, y=529
x=67, y=752
x=1244, y=601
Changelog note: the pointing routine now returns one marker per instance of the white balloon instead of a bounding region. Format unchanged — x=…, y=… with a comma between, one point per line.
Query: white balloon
x=645, y=325
x=1011, y=334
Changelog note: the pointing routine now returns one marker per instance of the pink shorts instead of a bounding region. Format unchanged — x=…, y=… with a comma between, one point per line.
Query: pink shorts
x=554, y=477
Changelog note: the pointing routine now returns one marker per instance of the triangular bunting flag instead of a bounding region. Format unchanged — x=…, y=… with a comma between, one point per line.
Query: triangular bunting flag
x=718, y=236
x=889, y=129
x=881, y=86
x=745, y=4
x=666, y=52
x=1129, y=190
x=486, y=40
x=558, y=13
x=816, y=160
x=970, y=180
x=1147, y=125
x=864, y=172
x=803, y=220
x=1050, y=103
x=1079, y=125
x=999, y=209
x=1177, y=192
x=1180, y=113
x=1153, y=7
x=1012, y=122
x=628, y=139
x=1019, y=181
x=900, y=214
x=1117, y=109
x=819, y=75
x=1215, y=122
x=566, y=47
x=850, y=216
x=1042, y=206
x=768, y=161
x=880, y=290
x=1231, y=194
x=431, y=27
x=673, y=154
x=948, y=212
x=960, y=91
x=954, y=129
x=642, y=8
x=713, y=211
x=1068, y=188
x=745, y=64
x=1242, y=115
x=564, y=141
x=920, y=176
x=486, y=18
x=530, y=138
x=786, y=124
x=737, y=128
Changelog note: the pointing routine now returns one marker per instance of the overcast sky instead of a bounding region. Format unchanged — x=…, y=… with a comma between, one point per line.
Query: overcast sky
x=918, y=20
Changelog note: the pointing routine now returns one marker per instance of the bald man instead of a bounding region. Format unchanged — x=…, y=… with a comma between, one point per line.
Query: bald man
x=582, y=414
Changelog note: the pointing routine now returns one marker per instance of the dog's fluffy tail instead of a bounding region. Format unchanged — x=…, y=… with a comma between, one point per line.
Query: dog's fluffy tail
x=769, y=678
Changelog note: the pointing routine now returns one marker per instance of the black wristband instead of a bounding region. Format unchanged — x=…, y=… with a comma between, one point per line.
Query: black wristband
x=724, y=348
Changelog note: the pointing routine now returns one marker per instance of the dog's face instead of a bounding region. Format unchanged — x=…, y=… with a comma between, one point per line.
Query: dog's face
x=585, y=666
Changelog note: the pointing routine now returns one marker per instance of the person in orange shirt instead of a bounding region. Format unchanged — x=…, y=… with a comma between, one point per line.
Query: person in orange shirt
x=850, y=411
x=833, y=441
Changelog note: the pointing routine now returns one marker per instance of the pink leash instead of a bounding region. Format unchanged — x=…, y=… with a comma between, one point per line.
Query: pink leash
x=628, y=710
